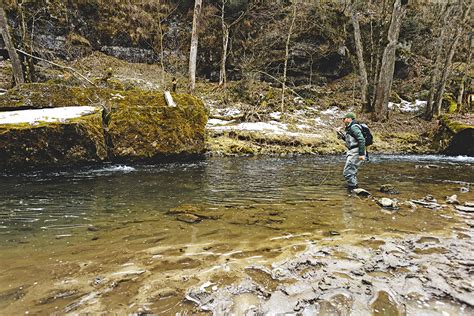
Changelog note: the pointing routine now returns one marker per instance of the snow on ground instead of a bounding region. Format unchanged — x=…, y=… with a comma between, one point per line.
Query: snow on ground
x=333, y=112
x=275, y=115
x=33, y=117
x=271, y=127
x=407, y=107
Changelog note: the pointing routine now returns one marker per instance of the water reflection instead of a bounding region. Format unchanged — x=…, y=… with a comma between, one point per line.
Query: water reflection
x=298, y=186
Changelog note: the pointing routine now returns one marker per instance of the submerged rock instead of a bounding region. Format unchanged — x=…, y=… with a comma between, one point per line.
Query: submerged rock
x=389, y=189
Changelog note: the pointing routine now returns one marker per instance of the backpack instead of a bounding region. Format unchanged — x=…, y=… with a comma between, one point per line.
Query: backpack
x=369, y=139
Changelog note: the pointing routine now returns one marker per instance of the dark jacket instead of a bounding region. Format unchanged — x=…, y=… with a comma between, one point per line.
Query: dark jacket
x=355, y=138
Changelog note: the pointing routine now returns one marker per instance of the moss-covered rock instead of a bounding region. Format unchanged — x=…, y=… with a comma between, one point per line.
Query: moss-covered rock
x=138, y=126
x=71, y=142
x=50, y=95
x=143, y=126
x=454, y=137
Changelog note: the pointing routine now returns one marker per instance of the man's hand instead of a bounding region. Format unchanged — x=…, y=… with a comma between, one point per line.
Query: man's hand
x=362, y=157
x=338, y=132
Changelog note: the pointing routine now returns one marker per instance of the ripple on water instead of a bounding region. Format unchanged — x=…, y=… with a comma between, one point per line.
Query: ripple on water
x=63, y=226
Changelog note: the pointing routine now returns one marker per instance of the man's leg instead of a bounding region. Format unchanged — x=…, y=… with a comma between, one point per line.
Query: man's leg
x=350, y=168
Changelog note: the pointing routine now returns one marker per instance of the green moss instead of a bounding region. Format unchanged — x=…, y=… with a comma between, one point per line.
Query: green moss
x=76, y=141
x=50, y=95
x=143, y=126
x=140, y=123
x=452, y=105
x=454, y=126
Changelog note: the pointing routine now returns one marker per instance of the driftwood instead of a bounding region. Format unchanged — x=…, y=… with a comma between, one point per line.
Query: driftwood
x=169, y=99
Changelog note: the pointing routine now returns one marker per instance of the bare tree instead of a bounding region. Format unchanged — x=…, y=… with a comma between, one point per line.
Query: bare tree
x=447, y=64
x=226, y=27
x=26, y=44
x=464, y=76
x=194, y=45
x=387, y=67
x=5, y=31
x=287, y=52
x=436, y=71
x=363, y=78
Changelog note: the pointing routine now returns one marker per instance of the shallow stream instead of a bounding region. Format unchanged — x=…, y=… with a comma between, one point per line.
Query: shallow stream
x=134, y=239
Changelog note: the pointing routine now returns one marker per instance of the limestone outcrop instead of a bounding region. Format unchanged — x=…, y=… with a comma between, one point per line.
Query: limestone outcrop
x=45, y=141
x=53, y=125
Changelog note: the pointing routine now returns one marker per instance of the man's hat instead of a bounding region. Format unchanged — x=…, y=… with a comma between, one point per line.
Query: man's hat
x=350, y=115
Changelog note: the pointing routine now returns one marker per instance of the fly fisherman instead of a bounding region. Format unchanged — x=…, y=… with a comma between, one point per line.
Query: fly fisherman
x=355, y=143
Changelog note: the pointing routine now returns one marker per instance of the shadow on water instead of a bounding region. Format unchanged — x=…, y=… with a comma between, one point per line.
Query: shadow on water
x=76, y=225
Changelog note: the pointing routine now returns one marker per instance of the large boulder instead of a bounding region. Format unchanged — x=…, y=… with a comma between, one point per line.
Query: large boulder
x=143, y=126
x=40, y=138
x=455, y=136
x=49, y=95
x=133, y=125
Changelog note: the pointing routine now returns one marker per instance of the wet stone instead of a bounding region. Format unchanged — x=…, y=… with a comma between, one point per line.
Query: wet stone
x=466, y=209
x=389, y=189
x=361, y=192
x=463, y=189
x=453, y=199
x=387, y=203
x=188, y=218
x=167, y=292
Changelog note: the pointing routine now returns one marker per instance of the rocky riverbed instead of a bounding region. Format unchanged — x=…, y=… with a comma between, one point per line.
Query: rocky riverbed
x=240, y=236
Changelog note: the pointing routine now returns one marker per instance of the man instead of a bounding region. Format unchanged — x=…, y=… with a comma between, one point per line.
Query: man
x=355, y=143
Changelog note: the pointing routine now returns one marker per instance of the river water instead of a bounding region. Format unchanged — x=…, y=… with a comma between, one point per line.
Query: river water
x=103, y=238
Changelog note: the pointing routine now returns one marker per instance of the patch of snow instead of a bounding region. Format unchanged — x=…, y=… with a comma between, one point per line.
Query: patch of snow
x=229, y=112
x=303, y=126
x=271, y=127
x=334, y=111
x=301, y=112
x=320, y=122
x=213, y=122
x=275, y=115
x=407, y=107
x=32, y=117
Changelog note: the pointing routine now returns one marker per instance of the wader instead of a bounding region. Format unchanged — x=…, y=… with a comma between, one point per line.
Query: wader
x=351, y=166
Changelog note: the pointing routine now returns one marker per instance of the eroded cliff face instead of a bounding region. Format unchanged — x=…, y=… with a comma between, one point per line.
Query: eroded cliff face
x=109, y=125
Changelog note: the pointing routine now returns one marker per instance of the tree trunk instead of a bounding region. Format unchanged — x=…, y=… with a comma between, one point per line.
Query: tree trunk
x=435, y=73
x=162, y=52
x=384, y=82
x=194, y=46
x=447, y=64
x=225, y=44
x=463, y=79
x=364, y=83
x=27, y=46
x=16, y=64
x=376, y=56
x=287, y=53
